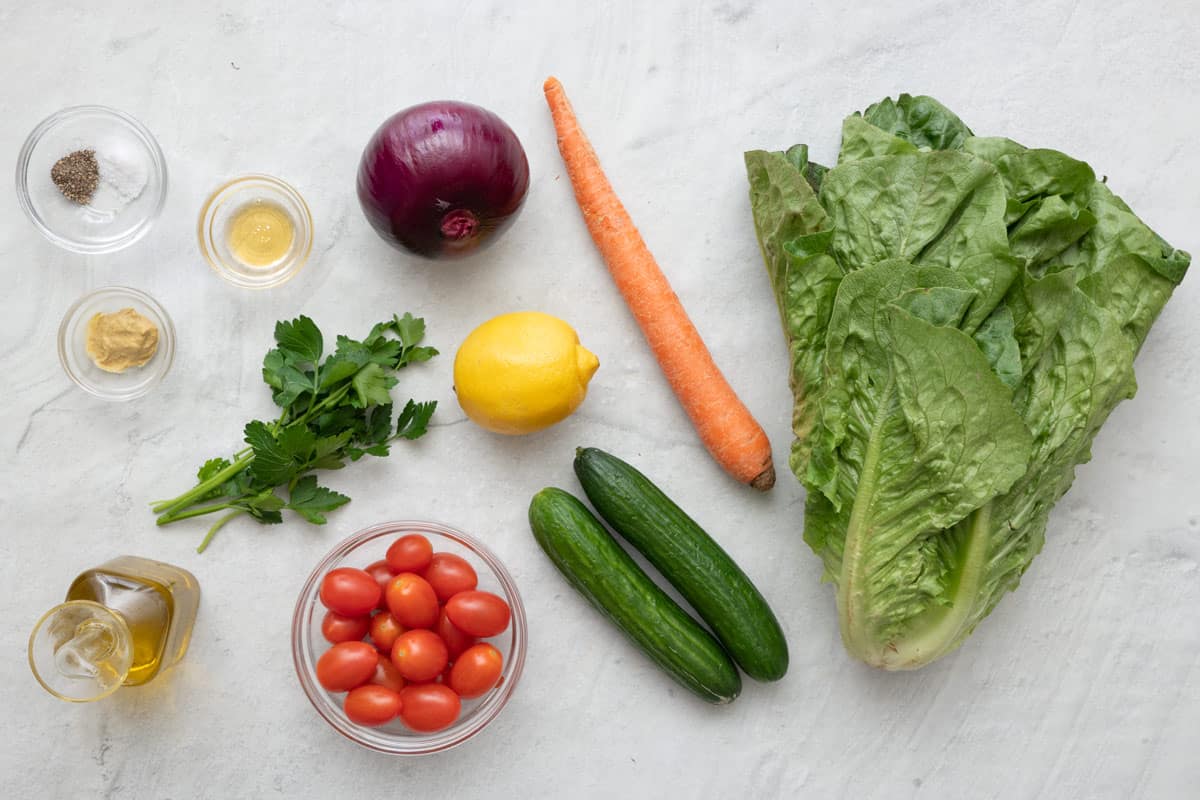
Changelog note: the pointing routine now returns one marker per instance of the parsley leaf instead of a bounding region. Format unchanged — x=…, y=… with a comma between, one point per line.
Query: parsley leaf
x=273, y=364
x=327, y=453
x=288, y=381
x=420, y=354
x=371, y=385
x=300, y=339
x=410, y=329
x=309, y=500
x=211, y=468
x=298, y=442
x=238, y=486
x=379, y=429
x=272, y=464
x=267, y=501
x=414, y=419
x=355, y=352
x=386, y=352
x=209, y=472
x=337, y=369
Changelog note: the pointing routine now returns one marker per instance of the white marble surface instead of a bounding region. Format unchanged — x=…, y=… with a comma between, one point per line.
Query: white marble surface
x=1083, y=684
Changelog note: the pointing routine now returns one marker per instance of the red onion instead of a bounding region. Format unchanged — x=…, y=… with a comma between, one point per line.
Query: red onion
x=442, y=178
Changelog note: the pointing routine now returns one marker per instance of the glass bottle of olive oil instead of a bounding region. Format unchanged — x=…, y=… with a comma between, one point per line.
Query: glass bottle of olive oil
x=123, y=623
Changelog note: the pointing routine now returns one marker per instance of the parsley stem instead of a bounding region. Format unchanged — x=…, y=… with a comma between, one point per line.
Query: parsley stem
x=169, y=507
x=216, y=527
x=316, y=382
x=333, y=399
x=199, y=511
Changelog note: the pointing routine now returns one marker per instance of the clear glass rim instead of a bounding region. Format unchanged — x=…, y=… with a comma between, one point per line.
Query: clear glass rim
x=417, y=744
x=166, y=343
x=22, y=180
x=118, y=622
x=206, y=235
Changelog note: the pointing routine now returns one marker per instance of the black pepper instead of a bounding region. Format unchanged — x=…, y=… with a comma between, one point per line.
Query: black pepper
x=77, y=175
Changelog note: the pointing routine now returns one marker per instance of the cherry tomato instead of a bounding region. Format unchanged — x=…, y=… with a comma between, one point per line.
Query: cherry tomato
x=383, y=574
x=386, y=675
x=337, y=628
x=478, y=613
x=456, y=641
x=428, y=706
x=350, y=592
x=449, y=574
x=476, y=670
x=409, y=553
x=384, y=630
x=372, y=705
x=346, y=665
x=412, y=601
x=419, y=655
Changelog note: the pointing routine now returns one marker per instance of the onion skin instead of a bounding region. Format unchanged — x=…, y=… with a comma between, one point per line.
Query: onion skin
x=442, y=179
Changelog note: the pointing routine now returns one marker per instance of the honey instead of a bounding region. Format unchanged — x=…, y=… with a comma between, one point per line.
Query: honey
x=260, y=234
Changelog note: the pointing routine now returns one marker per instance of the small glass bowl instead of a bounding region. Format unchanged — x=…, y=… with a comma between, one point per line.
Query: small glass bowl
x=308, y=644
x=218, y=212
x=72, y=344
x=133, y=179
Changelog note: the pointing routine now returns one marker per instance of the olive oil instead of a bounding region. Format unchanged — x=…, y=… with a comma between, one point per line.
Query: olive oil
x=260, y=234
x=123, y=623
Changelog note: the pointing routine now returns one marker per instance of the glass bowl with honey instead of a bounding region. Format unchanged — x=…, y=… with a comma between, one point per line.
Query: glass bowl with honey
x=256, y=231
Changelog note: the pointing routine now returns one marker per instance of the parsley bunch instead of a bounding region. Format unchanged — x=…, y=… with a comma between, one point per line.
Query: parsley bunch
x=334, y=411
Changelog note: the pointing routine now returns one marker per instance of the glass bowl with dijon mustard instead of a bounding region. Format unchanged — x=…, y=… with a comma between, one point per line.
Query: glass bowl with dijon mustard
x=116, y=343
x=256, y=231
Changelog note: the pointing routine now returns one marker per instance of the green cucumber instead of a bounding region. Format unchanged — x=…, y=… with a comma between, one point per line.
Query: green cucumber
x=595, y=564
x=689, y=558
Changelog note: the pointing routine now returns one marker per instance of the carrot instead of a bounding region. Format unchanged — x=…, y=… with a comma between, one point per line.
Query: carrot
x=725, y=425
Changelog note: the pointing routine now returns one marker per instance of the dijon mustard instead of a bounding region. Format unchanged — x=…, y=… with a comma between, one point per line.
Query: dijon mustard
x=123, y=339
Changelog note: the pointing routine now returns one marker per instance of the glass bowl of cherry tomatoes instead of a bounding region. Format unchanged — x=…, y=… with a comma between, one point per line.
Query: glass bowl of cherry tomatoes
x=409, y=637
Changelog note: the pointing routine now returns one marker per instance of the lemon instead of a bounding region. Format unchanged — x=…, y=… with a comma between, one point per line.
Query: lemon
x=521, y=372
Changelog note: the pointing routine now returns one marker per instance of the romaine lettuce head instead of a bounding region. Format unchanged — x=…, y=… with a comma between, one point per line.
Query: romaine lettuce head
x=962, y=314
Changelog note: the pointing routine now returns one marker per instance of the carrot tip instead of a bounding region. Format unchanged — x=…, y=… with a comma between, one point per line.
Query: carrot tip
x=765, y=479
x=551, y=84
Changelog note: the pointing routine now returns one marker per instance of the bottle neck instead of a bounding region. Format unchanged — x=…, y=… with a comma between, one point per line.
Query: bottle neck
x=81, y=651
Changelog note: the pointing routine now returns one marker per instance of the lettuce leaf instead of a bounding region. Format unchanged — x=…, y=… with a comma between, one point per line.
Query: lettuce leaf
x=962, y=315
x=915, y=432
x=921, y=120
x=794, y=235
